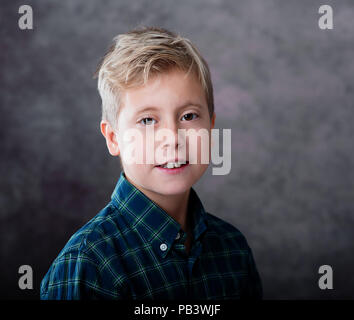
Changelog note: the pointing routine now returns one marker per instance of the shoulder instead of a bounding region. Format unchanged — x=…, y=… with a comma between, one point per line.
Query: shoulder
x=85, y=261
x=224, y=237
x=97, y=232
x=226, y=232
x=97, y=241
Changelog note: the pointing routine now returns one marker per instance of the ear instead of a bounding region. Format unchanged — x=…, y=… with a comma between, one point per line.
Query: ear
x=213, y=120
x=212, y=126
x=111, y=138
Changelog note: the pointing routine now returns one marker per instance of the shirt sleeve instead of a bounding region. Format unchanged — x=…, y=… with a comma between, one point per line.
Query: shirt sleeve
x=76, y=276
x=255, y=288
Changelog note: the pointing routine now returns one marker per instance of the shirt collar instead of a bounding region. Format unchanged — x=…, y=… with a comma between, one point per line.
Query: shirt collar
x=153, y=223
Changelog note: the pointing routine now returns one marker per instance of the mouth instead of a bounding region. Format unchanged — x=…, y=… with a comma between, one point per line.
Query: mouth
x=173, y=167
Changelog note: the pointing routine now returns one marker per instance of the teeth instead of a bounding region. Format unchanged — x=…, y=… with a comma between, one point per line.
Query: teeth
x=172, y=165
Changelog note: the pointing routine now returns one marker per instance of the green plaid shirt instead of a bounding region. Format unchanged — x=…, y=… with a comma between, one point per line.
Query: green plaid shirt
x=132, y=249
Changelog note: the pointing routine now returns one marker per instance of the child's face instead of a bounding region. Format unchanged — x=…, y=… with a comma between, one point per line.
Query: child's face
x=175, y=98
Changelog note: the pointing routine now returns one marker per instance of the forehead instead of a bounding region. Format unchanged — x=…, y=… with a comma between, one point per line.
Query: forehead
x=172, y=89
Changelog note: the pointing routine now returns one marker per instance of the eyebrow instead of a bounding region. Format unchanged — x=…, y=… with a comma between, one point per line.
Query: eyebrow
x=152, y=108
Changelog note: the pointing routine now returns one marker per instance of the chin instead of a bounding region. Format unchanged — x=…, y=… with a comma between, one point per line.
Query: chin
x=168, y=191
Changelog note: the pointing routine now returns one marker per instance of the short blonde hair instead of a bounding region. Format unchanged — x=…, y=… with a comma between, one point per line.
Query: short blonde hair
x=143, y=52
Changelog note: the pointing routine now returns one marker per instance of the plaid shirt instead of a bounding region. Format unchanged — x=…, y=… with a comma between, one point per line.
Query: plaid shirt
x=132, y=249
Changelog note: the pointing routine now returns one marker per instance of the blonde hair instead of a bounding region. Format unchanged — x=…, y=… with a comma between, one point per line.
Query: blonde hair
x=140, y=53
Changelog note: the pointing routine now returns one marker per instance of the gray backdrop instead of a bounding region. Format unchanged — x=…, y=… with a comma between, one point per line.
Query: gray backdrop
x=282, y=85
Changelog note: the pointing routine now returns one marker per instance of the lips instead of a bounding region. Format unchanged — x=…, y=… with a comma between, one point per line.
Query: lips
x=175, y=161
x=173, y=171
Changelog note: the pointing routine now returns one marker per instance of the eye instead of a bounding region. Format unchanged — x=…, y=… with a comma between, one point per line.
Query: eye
x=147, y=118
x=189, y=118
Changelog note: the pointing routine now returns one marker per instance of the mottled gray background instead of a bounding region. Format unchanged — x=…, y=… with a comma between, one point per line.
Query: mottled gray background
x=282, y=85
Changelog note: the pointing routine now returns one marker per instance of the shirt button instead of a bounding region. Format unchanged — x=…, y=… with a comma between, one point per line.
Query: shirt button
x=163, y=246
x=178, y=236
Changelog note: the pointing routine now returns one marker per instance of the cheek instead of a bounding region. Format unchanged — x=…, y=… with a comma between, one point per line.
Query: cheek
x=132, y=147
x=199, y=146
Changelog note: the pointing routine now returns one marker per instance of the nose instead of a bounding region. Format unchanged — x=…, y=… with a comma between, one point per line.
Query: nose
x=172, y=136
x=170, y=133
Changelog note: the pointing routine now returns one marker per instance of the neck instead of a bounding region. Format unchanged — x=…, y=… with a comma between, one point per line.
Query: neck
x=175, y=205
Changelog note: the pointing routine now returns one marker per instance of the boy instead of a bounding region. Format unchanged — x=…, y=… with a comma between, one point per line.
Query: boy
x=154, y=239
